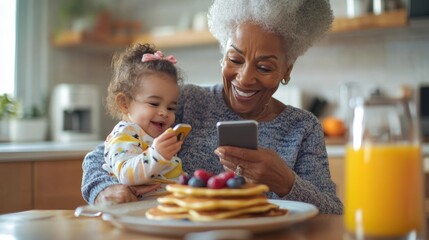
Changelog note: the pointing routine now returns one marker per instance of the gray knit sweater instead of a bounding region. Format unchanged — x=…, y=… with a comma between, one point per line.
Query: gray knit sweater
x=296, y=135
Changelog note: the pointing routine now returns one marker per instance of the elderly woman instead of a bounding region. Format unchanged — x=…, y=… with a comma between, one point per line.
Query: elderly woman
x=260, y=41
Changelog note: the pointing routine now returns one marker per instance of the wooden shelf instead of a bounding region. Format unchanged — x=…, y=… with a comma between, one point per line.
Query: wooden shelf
x=72, y=39
x=173, y=40
x=178, y=39
x=397, y=18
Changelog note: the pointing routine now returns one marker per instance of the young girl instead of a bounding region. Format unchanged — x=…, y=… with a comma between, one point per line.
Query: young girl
x=143, y=95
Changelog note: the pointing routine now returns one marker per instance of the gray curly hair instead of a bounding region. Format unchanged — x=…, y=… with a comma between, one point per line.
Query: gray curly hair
x=299, y=22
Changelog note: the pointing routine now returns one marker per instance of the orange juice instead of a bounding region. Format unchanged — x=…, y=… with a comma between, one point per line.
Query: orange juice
x=384, y=190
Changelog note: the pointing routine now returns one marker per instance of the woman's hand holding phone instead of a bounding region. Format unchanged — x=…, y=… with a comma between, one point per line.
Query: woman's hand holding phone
x=262, y=166
x=238, y=146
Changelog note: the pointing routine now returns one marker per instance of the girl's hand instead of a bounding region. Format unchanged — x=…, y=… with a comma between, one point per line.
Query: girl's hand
x=262, y=166
x=167, y=145
x=120, y=193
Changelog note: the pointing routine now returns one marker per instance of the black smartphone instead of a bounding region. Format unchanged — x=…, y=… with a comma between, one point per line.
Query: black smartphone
x=238, y=133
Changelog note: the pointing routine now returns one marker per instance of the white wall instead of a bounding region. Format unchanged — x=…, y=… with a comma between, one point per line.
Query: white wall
x=384, y=58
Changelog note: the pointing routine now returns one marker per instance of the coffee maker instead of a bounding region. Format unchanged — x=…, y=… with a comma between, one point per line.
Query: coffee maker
x=75, y=113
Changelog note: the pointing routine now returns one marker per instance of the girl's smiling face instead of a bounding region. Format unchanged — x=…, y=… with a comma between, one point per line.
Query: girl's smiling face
x=153, y=107
x=253, y=66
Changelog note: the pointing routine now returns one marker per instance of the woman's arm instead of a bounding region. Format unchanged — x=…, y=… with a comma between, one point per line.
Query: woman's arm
x=306, y=191
x=310, y=183
x=313, y=183
x=98, y=187
x=95, y=178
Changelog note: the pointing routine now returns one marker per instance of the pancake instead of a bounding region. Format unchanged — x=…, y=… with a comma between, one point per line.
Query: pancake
x=206, y=204
x=205, y=216
x=201, y=203
x=248, y=189
x=275, y=212
x=261, y=210
x=172, y=208
x=157, y=214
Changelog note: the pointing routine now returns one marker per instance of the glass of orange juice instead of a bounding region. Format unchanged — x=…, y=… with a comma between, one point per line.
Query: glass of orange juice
x=384, y=174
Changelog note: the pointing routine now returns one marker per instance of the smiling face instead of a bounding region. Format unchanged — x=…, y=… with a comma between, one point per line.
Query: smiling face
x=253, y=65
x=154, y=105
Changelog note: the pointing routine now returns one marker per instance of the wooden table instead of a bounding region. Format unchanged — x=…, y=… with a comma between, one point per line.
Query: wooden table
x=62, y=224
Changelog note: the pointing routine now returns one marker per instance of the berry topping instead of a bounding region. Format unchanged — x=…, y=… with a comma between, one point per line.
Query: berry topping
x=202, y=178
x=202, y=174
x=236, y=182
x=216, y=182
x=227, y=175
x=184, y=178
x=196, y=182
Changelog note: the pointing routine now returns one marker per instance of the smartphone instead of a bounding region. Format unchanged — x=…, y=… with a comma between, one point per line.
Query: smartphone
x=182, y=130
x=238, y=133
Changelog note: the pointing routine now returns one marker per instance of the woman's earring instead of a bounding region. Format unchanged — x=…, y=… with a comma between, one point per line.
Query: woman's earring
x=285, y=81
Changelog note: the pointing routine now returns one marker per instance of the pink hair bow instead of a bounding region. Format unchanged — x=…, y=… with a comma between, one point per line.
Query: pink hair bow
x=158, y=55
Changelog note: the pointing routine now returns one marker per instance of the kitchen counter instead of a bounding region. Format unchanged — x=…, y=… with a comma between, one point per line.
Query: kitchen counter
x=339, y=150
x=60, y=150
x=44, y=150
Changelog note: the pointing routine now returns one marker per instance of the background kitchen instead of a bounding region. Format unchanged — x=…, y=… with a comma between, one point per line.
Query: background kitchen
x=63, y=54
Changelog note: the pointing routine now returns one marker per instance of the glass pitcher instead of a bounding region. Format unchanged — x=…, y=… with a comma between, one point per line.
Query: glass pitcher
x=384, y=174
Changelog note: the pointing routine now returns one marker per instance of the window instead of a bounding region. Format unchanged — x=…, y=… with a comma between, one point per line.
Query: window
x=7, y=46
x=24, y=50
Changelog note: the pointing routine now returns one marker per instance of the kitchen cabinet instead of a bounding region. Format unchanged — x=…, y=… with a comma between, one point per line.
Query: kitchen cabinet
x=337, y=168
x=57, y=184
x=15, y=186
x=397, y=18
x=51, y=184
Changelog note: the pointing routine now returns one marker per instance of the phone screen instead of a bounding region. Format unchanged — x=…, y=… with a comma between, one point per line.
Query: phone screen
x=238, y=133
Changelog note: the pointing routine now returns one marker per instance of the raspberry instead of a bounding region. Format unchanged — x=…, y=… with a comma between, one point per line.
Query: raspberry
x=202, y=174
x=227, y=175
x=184, y=178
x=216, y=182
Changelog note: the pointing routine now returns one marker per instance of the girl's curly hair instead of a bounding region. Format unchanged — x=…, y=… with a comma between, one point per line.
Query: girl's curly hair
x=127, y=70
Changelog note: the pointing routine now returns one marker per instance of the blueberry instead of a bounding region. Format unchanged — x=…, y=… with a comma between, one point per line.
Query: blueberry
x=240, y=179
x=236, y=182
x=196, y=182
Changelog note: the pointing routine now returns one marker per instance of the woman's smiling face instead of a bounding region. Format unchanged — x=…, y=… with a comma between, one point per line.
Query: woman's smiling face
x=253, y=65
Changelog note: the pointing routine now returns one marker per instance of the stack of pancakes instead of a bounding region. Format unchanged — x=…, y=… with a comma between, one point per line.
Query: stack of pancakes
x=205, y=204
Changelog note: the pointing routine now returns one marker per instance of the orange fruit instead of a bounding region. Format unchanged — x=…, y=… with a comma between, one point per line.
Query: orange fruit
x=333, y=127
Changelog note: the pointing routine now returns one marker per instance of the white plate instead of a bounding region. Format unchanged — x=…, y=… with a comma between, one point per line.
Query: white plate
x=132, y=216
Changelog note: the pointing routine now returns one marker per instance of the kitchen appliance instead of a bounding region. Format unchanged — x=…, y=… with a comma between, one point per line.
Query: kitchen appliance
x=424, y=111
x=75, y=113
